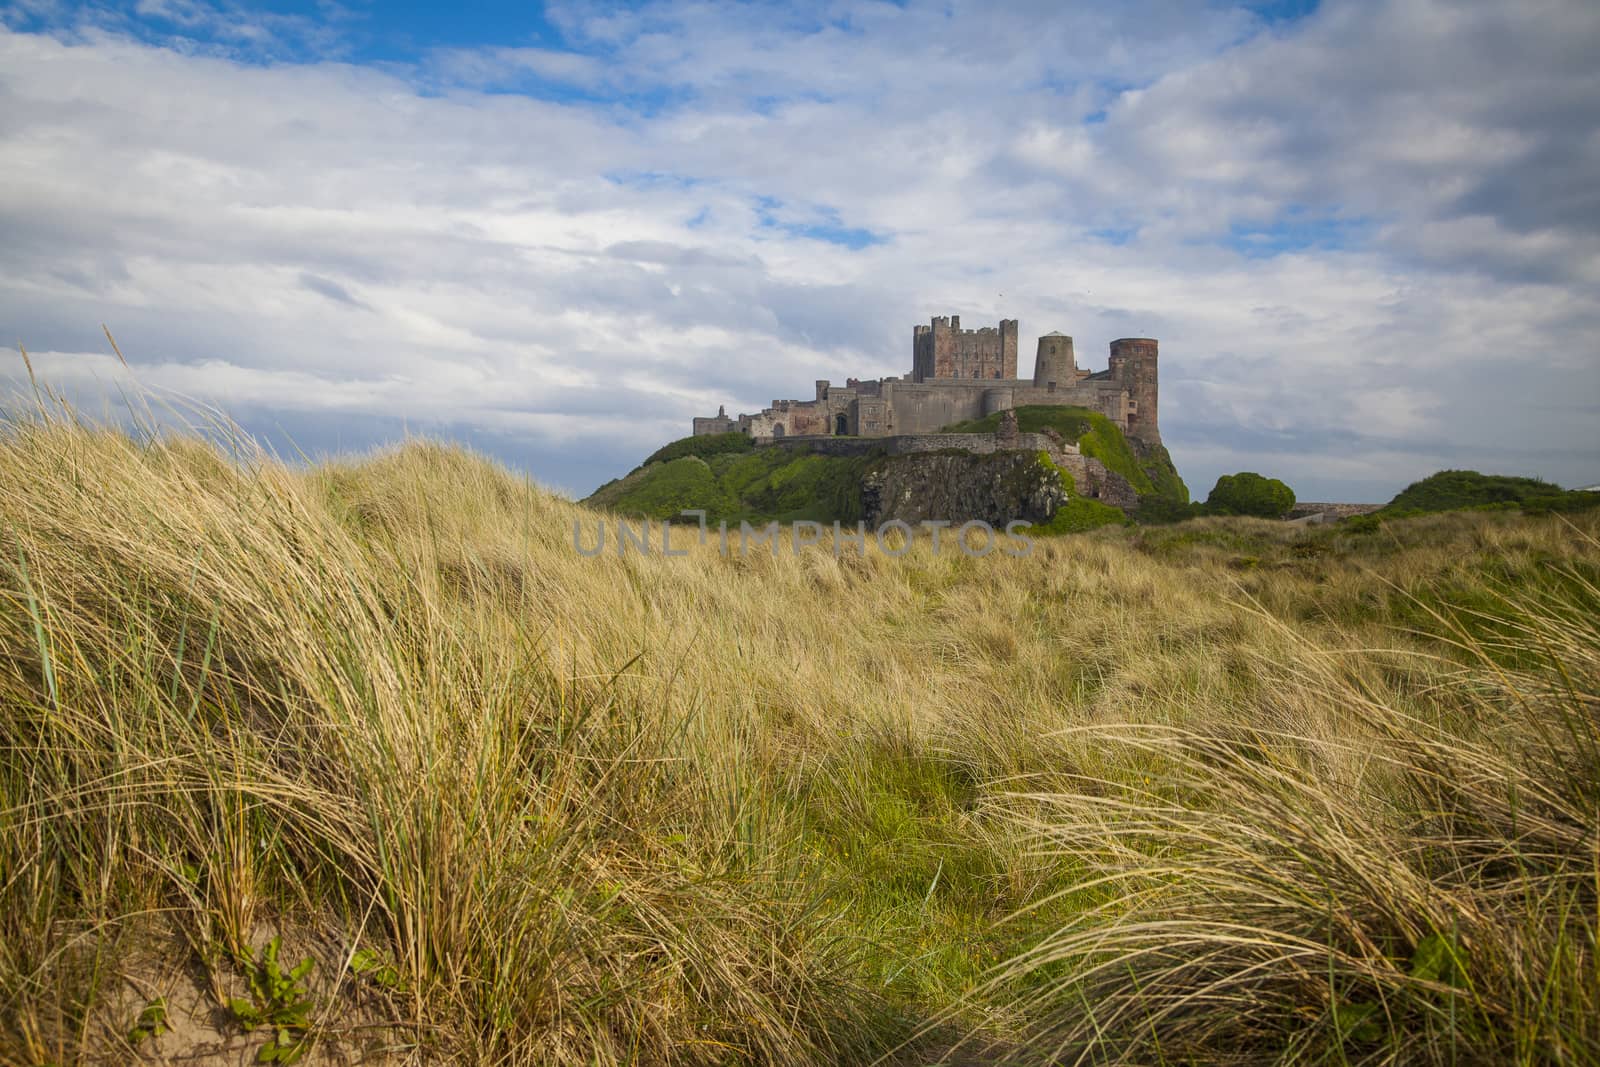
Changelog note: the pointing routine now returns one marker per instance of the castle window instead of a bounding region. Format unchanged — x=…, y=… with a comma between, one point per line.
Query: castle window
x=1049, y=387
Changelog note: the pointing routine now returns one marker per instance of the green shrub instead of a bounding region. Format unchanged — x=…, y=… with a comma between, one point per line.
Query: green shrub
x=1079, y=514
x=1360, y=524
x=1248, y=493
x=1161, y=510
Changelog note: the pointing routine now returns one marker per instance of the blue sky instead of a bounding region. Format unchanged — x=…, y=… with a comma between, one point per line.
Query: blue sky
x=1367, y=234
x=363, y=31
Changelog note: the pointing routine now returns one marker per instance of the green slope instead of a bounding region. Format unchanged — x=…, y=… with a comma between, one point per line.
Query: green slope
x=731, y=480
x=1453, y=490
x=733, y=484
x=705, y=447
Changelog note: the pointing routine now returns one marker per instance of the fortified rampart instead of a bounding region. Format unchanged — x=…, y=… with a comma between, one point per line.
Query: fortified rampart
x=958, y=375
x=917, y=443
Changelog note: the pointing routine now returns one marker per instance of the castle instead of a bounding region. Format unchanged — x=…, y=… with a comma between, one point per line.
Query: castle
x=961, y=374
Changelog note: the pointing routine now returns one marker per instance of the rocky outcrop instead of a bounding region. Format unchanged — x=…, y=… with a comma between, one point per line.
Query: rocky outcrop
x=995, y=477
x=1090, y=478
x=995, y=488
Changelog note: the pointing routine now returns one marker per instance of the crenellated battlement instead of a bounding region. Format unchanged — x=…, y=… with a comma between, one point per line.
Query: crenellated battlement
x=952, y=323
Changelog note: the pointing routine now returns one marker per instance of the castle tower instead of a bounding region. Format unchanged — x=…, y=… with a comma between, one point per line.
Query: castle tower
x=924, y=342
x=1133, y=363
x=942, y=349
x=1008, y=349
x=1055, y=367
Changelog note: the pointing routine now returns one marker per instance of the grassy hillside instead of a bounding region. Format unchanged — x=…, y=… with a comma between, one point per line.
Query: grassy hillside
x=1096, y=436
x=1450, y=490
x=731, y=480
x=705, y=446
x=732, y=483
x=1226, y=792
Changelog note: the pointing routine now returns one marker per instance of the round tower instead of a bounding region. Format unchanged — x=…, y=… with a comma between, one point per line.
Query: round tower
x=999, y=399
x=1133, y=363
x=1054, y=367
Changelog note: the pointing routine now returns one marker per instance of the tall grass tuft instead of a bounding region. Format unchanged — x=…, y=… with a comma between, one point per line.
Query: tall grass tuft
x=1364, y=876
x=225, y=713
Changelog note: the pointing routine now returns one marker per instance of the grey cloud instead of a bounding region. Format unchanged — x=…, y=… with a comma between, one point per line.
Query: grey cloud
x=670, y=254
x=331, y=289
x=1419, y=114
x=1551, y=186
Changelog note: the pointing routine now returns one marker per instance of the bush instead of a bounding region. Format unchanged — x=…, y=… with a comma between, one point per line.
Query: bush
x=1161, y=510
x=1360, y=524
x=1248, y=493
x=1079, y=515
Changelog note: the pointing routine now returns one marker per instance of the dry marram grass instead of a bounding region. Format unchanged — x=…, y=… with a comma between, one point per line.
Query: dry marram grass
x=1229, y=790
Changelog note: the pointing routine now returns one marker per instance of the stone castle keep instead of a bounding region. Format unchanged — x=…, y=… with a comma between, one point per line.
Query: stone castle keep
x=961, y=374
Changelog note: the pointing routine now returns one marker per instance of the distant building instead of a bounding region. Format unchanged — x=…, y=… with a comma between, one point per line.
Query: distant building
x=961, y=374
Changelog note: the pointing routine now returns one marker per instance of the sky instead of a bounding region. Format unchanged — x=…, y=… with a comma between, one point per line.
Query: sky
x=1367, y=234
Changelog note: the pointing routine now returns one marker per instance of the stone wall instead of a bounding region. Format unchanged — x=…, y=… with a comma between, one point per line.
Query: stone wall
x=923, y=407
x=1308, y=509
x=927, y=406
x=981, y=443
x=920, y=443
